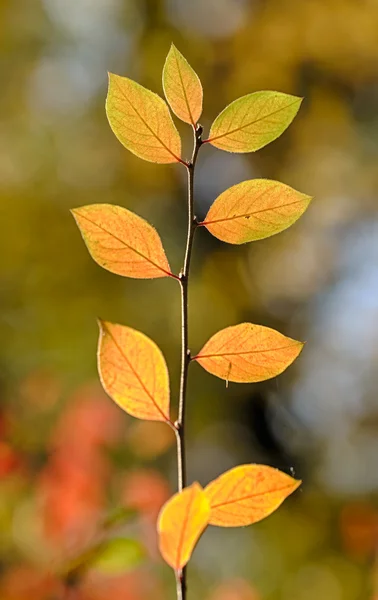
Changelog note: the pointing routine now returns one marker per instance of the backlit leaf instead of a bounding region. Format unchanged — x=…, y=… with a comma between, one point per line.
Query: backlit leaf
x=133, y=372
x=182, y=87
x=181, y=522
x=121, y=241
x=248, y=353
x=247, y=494
x=253, y=121
x=141, y=121
x=253, y=210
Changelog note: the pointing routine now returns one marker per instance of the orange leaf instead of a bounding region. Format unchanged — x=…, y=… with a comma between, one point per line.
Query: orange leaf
x=182, y=87
x=133, y=372
x=248, y=353
x=141, y=121
x=253, y=121
x=122, y=242
x=253, y=210
x=247, y=494
x=181, y=523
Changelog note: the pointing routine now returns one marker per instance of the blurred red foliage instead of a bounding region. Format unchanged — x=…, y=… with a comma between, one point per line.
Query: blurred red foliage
x=27, y=583
x=10, y=461
x=40, y=389
x=359, y=530
x=138, y=585
x=73, y=482
x=24, y=582
x=72, y=496
x=145, y=490
x=236, y=589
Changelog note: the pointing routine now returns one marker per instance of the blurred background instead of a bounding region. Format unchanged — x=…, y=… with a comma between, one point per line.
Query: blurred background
x=75, y=471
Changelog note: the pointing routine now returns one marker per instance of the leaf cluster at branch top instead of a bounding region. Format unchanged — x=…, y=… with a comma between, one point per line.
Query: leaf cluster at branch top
x=132, y=368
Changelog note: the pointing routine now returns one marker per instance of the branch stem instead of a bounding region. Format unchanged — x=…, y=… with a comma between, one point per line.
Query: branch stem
x=185, y=352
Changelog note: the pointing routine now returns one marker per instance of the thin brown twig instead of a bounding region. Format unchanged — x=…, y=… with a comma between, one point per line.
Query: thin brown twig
x=181, y=579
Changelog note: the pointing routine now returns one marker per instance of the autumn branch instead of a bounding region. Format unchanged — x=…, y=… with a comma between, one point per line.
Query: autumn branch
x=185, y=351
x=131, y=366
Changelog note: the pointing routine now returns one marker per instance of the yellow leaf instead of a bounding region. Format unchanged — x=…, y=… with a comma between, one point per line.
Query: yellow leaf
x=248, y=353
x=122, y=242
x=253, y=121
x=247, y=494
x=182, y=87
x=133, y=372
x=141, y=121
x=253, y=210
x=181, y=523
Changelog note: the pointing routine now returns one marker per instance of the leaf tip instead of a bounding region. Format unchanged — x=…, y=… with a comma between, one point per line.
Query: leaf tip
x=73, y=213
x=103, y=327
x=295, y=484
x=76, y=213
x=111, y=82
x=300, y=345
x=299, y=100
x=111, y=79
x=100, y=323
x=296, y=99
x=196, y=486
x=77, y=209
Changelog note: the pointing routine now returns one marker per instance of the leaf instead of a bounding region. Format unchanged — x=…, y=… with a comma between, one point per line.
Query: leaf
x=182, y=87
x=247, y=494
x=141, y=121
x=122, y=242
x=181, y=522
x=133, y=372
x=248, y=353
x=118, y=556
x=253, y=210
x=253, y=121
